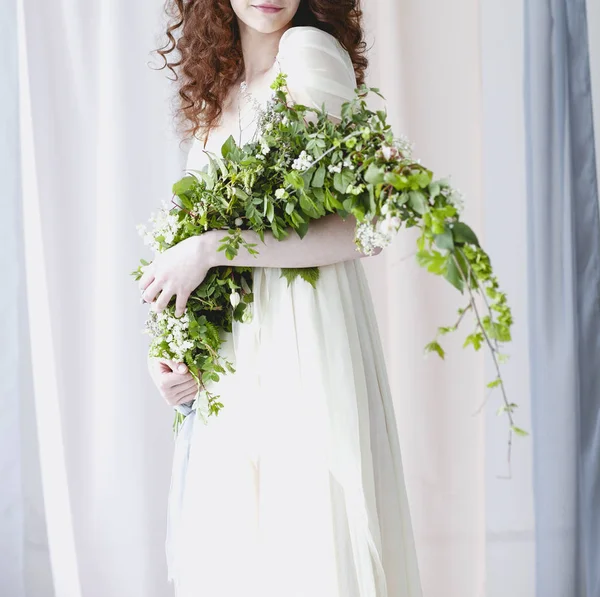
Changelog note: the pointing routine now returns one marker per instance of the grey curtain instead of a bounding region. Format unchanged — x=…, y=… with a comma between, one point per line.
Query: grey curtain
x=564, y=290
x=11, y=498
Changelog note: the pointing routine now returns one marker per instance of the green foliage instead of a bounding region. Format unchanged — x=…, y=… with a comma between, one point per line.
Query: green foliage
x=298, y=170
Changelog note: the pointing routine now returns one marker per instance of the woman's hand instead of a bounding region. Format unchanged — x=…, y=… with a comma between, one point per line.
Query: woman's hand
x=177, y=272
x=173, y=380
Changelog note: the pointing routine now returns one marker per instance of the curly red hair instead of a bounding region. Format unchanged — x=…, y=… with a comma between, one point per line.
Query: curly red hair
x=210, y=54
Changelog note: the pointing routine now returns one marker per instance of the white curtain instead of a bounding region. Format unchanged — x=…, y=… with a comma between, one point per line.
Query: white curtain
x=99, y=155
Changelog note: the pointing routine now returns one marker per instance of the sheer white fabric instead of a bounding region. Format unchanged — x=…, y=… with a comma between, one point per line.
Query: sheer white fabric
x=297, y=487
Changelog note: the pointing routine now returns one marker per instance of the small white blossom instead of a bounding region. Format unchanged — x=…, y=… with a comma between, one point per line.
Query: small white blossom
x=388, y=226
x=239, y=221
x=456, y=198
x=234, y=299
x=264, y=147
x=368, y=238
x=173, y=330
x=389, y=153
x=302, y=162
x=332, y=169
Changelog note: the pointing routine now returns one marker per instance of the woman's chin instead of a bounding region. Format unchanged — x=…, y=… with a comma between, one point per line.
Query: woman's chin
x=265, y=22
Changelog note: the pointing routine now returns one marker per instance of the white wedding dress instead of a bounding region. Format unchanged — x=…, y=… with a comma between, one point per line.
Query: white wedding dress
x=296, y=489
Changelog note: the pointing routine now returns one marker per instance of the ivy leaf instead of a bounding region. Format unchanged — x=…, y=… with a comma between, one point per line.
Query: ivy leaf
x=319, y=178
x=518, y=431
x=417, y=201
x=341, y=180
x=463, y=234
x=435, y=347
x=270, y=211
x=184, y=185
x=309, y=274
x=309, y=207
x=240, y=194
x=505, y=409
x=433, y=261
x=294, y=179
x=302, y=229
x=374, y=174
x=453, y=276
x=445, y=240
x=475, y=339
x=397, y=181
x=228, y=147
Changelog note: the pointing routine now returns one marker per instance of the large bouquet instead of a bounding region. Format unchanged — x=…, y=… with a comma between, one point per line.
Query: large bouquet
x=301, y=167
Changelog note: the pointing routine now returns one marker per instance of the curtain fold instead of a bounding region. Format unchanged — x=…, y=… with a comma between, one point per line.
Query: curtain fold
x=12, y=515
x=564, y=286
x=102, y=155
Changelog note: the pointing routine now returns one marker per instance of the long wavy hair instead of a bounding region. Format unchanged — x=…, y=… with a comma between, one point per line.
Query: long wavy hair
x=206, y=36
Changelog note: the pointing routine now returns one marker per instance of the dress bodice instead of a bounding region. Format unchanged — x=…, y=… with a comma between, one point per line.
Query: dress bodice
x=319, y=72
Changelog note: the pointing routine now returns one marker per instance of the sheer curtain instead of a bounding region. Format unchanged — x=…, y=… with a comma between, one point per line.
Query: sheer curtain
x=98, y=155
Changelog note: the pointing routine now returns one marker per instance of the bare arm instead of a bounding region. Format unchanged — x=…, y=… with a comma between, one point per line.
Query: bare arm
x=328, y=240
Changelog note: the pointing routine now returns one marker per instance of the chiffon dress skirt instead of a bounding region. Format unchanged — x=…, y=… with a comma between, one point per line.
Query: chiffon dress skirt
x=296, y=488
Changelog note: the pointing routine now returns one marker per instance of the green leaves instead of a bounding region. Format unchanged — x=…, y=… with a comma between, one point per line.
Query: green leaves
x=230, y=150
x=342, y=180
x=416, y=199
x=374, y=174
x=445, y=240
x=293, y=179
x=463, y=234
x=251, y=188
x=184, y=185
x=319, y=177
x=452, y=274
x=435, y=347
x=433, y=261
x=308, y=274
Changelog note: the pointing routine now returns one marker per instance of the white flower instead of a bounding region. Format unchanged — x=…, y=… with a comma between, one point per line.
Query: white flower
x=264, y=147
x=336, y=168
x=389, y=153
x=285, y=121
x=234, y=299
x=281, y=193
x=456, y=198
x=368, y=238
x=239, y=221
x=302, y=162
x=389, y=225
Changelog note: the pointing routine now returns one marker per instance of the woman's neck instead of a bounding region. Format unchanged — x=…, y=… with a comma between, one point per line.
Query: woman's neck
x=259, y=50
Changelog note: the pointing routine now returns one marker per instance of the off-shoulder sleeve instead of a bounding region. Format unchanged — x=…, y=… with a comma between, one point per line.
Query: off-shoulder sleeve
x=319, y=70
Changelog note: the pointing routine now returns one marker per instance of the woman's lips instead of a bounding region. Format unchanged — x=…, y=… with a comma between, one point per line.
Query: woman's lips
x=268, y=8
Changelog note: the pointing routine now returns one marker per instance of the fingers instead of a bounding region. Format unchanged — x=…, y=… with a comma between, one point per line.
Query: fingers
x=163, y=300
x=147, y=277
x=151, y=291
x=180, y=303
x=187, y=393
x=168, y=366
x=180, y=393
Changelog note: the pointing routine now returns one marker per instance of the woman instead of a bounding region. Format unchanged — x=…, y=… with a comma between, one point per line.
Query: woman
x=296, y=488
